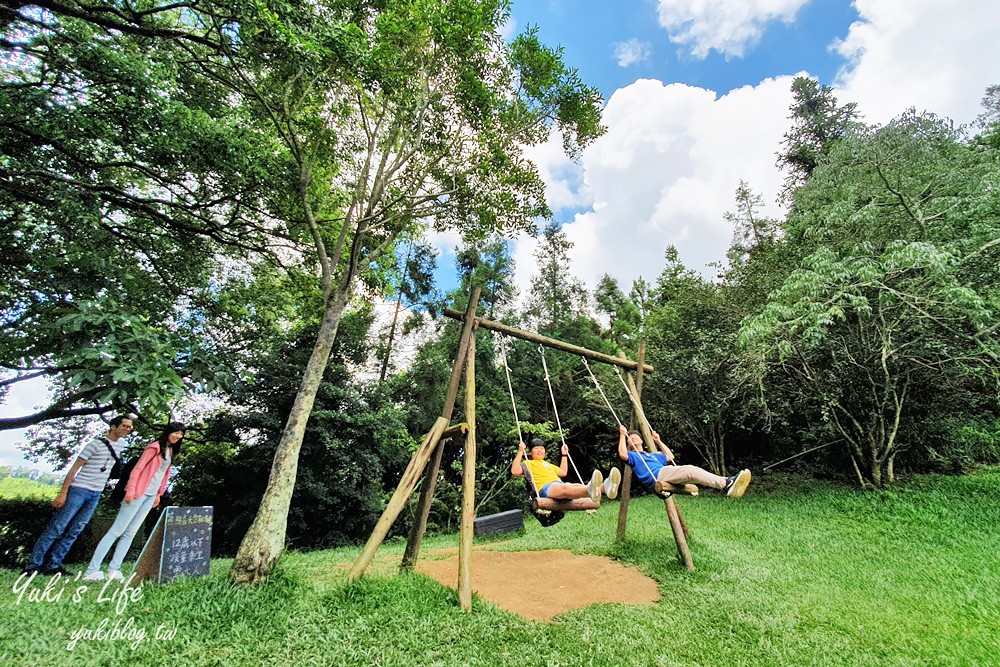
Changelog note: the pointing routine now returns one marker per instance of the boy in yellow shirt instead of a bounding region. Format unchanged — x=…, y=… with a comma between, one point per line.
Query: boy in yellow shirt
x=548, y=477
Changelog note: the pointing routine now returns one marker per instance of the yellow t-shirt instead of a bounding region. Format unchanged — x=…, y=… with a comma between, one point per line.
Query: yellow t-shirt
x=542, y=472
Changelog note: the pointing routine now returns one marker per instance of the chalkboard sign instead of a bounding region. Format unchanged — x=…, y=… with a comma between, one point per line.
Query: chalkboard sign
x=179, y=546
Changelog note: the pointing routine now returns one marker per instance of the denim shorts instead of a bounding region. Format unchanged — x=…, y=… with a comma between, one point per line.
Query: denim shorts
x=544, y=491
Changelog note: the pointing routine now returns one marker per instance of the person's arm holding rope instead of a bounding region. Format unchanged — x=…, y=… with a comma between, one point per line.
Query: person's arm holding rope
x=666, y=450
x=515, y=467
x=564, y=461
x=623, y=443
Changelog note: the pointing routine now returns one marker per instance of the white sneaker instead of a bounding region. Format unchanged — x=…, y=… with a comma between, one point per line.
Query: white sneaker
x=738, y=486
x=115, y=575
x=596, y=486
x=612, y=482
x=94, y=576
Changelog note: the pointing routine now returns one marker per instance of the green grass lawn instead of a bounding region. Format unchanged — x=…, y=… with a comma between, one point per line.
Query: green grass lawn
x=795, y=574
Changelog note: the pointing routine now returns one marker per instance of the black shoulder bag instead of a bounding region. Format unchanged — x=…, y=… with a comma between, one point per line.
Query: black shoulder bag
x=116, y=469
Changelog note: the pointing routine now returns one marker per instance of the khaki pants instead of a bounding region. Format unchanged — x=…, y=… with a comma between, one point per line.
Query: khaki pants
x=690, y=475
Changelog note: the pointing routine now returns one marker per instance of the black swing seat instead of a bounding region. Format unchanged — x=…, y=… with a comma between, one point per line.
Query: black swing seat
x=666, y=489
x=549, y=511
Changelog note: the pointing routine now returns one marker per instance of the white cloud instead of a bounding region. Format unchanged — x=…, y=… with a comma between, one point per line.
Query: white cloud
x=508, y=29
x=665, y=173
x=728, y=26
x=932, y=54
x=631, y=52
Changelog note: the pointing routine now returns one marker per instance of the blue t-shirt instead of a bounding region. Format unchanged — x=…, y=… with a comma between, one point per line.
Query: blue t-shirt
x=646, y=466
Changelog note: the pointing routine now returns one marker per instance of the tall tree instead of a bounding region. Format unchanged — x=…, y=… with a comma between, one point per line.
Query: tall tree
x=892, y=308
x=818, y=121
x=415, y=282
x=623, y=315
x=556, y=296
x=122, y=187
x=392, y=116
x=751, y=229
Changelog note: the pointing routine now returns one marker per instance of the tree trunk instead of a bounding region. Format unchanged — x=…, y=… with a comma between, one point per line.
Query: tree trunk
x=265, y=541
x=395, y=316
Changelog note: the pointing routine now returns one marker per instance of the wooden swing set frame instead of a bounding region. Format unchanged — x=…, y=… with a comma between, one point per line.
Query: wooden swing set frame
x=422, y=464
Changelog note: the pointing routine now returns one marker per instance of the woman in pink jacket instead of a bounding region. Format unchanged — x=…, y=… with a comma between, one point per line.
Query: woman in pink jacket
x=145, y=485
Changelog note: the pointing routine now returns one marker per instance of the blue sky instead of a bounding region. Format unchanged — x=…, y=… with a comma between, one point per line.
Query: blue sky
x=697, y=97
x=589, y=31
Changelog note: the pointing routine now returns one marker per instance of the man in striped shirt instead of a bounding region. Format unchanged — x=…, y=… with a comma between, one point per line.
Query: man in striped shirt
x=77, y=499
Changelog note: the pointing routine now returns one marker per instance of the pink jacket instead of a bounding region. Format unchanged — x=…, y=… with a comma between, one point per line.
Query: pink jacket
x=145, y=468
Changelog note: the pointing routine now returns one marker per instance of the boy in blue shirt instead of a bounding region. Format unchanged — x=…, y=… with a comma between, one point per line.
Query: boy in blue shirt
x=650, y=467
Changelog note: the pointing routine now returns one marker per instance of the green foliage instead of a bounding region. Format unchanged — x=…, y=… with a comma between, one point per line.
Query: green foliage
x=124, y=185
x=556, y=296
x=892, y=308
x=699, y=396
x=818, y=122
x=354, y=448
x=19, y=487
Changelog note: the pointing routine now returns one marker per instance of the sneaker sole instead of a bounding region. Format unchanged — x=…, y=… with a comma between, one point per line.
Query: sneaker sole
x=595, y=487
x=740, y=485
x=616, y=479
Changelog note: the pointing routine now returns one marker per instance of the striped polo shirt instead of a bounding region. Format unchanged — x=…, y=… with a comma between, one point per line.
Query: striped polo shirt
x=91, y=476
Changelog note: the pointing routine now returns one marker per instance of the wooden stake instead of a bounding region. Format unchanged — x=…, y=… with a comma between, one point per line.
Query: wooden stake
x=416, y=535
x=468, y=484
x=678, y=528
x=399, y=498
x=626, y=489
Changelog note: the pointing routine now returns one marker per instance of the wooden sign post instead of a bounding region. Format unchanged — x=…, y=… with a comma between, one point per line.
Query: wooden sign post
x=179, y=546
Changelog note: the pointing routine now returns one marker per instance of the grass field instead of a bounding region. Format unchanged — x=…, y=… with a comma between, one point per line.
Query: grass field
x=19, y=487
x=797, y=573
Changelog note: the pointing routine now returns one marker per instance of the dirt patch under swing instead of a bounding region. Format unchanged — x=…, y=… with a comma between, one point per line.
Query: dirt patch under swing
x=570, y=581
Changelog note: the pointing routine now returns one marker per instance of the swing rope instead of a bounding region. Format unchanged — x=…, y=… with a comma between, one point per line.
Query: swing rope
x=638, y=407
x=555, y=410
x=510, y=386
x=601, y=391
x=545, y=517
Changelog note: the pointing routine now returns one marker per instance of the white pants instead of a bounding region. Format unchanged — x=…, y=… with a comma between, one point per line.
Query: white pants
x=130, y=517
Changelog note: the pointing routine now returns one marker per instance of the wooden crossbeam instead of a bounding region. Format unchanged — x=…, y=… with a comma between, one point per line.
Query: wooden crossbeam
x=549, y=342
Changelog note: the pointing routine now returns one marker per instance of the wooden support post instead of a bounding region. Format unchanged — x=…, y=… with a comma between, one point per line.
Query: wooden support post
x=625, y=494
x=427, y=491
x=626, y=490
x=416, y=535
x=677, y=527
x=677, y=524
x=684, y=526
x=468, y=484
x=418, y=462
x=399, y=498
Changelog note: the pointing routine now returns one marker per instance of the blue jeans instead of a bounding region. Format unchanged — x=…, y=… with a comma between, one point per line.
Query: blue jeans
x=67, y=524
x=130, y=517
